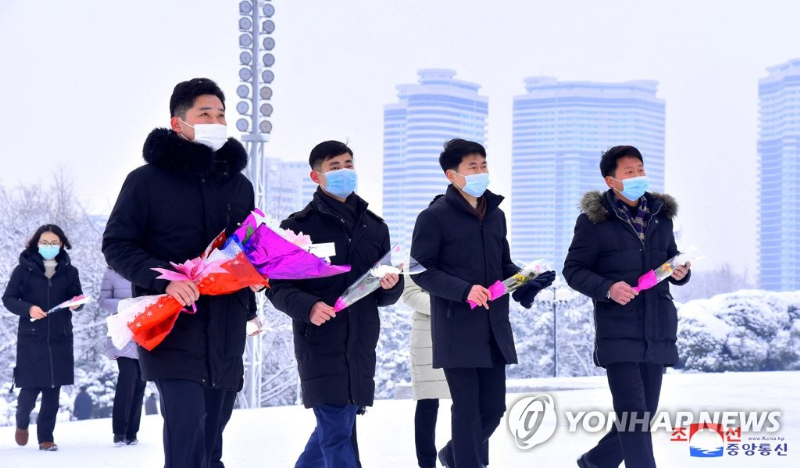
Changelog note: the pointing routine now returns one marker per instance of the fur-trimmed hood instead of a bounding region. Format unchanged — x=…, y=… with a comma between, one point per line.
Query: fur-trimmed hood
x=594, y=204
x=167, y=150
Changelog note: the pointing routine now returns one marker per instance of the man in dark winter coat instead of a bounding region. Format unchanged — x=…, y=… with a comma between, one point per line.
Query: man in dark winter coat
x=461, y=240
x=336, y=351
x=82, y=408
x=168, y=211
x=622, y=234
x=150, y=405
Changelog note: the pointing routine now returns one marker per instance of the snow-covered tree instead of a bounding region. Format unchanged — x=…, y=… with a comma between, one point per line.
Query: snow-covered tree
x=709, y=283
x=279, y=381
x=22, y=210
x=394, y=364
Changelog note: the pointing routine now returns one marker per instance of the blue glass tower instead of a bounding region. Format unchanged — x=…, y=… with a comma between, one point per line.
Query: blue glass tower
x=779, y=177
x=560, y=129
x=437, y=109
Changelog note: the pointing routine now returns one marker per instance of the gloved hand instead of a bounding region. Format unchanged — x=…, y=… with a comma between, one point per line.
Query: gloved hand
x=525, y=294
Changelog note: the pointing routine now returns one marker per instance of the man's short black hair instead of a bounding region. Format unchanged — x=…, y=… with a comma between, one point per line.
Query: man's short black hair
x=608, y=162
x=186, y=92
x=456, y=150
x=325, y=151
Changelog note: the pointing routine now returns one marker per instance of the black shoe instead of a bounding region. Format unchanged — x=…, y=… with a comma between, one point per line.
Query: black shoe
x=443, y=459
x=133, y=441
x=119, y=440
x=584, y=462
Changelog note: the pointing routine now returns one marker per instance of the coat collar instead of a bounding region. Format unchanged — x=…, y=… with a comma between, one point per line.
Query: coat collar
x=596, y=204
x=454, y=197
x=319, y=206
x=167, y=150
x=34, y=262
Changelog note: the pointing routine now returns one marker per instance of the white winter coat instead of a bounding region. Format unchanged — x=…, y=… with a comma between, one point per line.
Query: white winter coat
x=113, y=289
x=426, y=382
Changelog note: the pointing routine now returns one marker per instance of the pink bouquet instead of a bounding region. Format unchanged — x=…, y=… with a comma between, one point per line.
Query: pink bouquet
x=281, y=254
x=69, y=303
x=226, y=266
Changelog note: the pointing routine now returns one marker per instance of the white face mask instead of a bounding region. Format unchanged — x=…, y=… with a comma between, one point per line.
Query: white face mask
x=212, y=135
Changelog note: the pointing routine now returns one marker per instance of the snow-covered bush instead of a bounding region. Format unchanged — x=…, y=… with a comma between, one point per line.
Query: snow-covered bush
x=747, y=330
x=394, y=363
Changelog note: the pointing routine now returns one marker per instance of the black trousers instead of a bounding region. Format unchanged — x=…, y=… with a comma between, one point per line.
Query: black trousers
x=227, y=410
x=635, y=389
x=194, y=417
x=127, y=412
x=46, y=421
x=425, y=417
x=479, y=401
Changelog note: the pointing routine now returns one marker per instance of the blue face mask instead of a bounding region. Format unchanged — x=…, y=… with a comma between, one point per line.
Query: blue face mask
x=49, y=252
x=341, y=182
x=634, y=188
x=476, y=183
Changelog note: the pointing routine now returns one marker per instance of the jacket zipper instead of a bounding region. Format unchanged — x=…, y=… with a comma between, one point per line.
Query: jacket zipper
x=351, y=241
x=644, y=248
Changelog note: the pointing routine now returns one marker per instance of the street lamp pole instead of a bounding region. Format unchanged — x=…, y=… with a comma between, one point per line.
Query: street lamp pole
x=555, y=337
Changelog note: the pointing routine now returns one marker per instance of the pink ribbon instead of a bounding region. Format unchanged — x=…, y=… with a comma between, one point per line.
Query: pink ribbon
x=496, y=290
x=646, y=281
x=340, y=304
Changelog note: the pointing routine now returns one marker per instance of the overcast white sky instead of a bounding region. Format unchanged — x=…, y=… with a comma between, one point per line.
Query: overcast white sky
x=85, y=81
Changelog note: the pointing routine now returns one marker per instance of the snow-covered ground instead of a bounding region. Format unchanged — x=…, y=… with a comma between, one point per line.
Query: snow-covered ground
x=273, y=437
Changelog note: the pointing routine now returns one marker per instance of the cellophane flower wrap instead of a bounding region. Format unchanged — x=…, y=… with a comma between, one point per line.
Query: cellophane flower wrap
x=258, y=251
x=395, y=261
x=512, y=283
x=222, y=269
x=653, y=277
x=73, y=302
x=280, y=253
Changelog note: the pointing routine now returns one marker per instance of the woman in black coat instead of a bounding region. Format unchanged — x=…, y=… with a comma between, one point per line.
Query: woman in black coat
x=43, y=279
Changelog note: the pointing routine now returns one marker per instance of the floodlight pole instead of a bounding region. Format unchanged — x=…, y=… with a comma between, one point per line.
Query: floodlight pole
x=255, y=28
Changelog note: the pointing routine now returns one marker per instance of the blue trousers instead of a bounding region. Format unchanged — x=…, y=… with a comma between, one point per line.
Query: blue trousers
x=330, y=445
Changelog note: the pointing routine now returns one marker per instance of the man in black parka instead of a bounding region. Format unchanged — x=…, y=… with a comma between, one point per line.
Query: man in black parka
x=169, y=210
x=620, y=235
x=461, y=241
x=336, y=351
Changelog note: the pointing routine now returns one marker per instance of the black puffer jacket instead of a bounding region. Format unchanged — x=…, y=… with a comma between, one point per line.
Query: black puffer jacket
x=168, y=211
x=336, y=360
x=44, y=347
x=459, y=252
x=605, y=250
